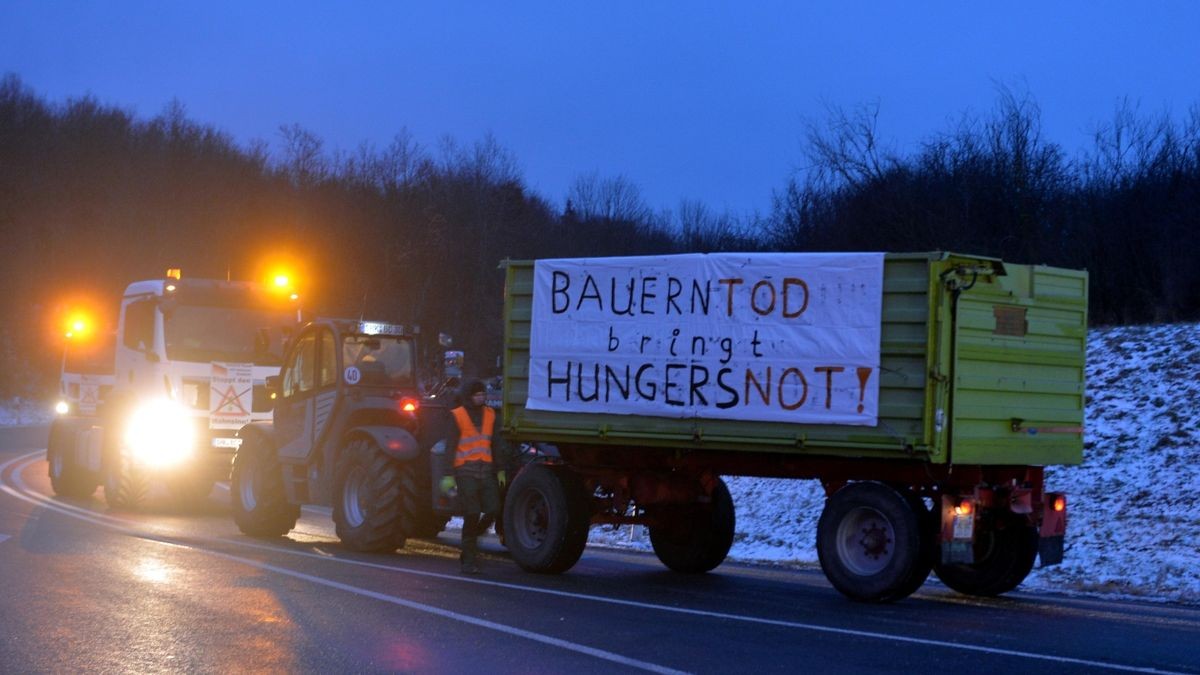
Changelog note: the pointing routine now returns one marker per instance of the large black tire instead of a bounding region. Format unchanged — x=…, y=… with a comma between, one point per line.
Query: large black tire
x=67, y=478
x=870, y=543
x=930, y=524
x=696, y=538
x=546, y=519
x=1008, y=554
x=260, y=505
x=374, y=502
x=125, y=483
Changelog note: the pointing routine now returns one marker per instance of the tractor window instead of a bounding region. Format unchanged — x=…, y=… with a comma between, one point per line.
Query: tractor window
x=298, y=376
x=381, y=360
x=139, y=325
x=328, y=360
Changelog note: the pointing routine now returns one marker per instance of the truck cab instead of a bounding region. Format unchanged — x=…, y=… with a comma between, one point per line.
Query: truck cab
x=188, y=369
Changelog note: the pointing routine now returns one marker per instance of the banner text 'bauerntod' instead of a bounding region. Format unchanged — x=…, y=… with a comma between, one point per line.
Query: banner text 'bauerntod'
x=778, y=337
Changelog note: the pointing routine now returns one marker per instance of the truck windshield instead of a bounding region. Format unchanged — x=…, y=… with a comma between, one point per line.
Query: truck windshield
x=239, y=334
x=380, y=360
x=93, y=357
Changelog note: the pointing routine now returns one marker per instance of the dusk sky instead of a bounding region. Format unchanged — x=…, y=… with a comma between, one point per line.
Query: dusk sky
x=695, y=100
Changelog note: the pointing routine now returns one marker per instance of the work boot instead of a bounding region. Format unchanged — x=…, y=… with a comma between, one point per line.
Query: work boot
x=468, y=559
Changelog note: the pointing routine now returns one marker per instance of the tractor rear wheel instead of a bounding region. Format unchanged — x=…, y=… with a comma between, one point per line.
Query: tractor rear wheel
x=374, y=498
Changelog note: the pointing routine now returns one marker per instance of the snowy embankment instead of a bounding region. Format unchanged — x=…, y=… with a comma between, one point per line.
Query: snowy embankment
x=1134, y=527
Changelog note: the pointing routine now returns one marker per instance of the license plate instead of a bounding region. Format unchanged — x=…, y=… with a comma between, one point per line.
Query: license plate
x=227, y=442
x=964, y=527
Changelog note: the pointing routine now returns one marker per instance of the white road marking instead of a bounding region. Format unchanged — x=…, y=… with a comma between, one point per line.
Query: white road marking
x=3, y=537
x=84, y=514
x=41, y=500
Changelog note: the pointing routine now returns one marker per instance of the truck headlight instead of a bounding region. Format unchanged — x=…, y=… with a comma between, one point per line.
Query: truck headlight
x=160, y=433
x=62, y=407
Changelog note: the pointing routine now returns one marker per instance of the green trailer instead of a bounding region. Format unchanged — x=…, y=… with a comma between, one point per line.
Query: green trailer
x=978, y=384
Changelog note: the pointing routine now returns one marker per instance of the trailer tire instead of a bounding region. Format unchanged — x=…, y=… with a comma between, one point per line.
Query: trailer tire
x=1009, y=557
x=546, y=519
x=375, y=499
x=260, y=505
x=870, y=543
x=125, y=483
x=696, y=539
x=67, y=478
x=930, y=545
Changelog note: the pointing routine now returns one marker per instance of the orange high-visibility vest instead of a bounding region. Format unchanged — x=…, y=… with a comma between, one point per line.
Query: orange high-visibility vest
x=474, y=445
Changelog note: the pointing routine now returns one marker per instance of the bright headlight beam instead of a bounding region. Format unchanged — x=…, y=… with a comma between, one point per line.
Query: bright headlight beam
x=160, y=433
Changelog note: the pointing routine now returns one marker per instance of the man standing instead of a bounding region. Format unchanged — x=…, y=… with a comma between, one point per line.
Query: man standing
x=476, y=460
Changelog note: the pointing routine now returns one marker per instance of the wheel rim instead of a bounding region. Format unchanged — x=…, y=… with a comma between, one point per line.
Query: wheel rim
x=866, y=541
x=353, y=496
x=249, y=486
x=532, y=521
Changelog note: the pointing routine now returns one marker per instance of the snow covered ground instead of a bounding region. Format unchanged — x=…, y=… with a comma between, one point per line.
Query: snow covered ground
x=1134, y=527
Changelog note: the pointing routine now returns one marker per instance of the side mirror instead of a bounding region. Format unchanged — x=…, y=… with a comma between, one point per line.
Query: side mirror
x=272, y=386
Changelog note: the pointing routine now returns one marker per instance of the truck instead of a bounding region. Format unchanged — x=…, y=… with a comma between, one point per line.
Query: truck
x=346, y=432
x=927, y=392
x=188, y=370
x=85, y=380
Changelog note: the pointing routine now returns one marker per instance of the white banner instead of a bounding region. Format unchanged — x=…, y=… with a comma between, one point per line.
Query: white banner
x=231, y=395
x=778, y=337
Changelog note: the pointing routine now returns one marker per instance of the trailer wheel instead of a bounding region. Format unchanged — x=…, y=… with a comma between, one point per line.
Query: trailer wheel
x=870, y=543
x=374, y=498
x=125, y=483
x=260, y=505
x=696, y=539
x=930, y=549
x=66, y=476
x=546, y=519
x=1007, y=559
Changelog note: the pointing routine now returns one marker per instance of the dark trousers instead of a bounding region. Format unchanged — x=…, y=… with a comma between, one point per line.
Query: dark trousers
x=479, y=497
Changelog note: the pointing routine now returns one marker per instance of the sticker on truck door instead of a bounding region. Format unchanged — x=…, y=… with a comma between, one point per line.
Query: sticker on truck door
x=232, y=395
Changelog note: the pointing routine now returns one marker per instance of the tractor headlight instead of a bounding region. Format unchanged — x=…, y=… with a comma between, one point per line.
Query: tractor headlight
x=62, y=407
x=160, y=433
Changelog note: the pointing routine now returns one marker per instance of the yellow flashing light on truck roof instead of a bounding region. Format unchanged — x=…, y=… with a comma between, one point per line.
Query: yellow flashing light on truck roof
x=78, y=326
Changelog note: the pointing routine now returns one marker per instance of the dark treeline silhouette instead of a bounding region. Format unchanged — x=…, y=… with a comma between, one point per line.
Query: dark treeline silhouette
x=1128, y=209
x=92, y=197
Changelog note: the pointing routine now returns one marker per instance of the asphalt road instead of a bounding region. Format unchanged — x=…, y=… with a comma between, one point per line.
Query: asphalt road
x=178, y=588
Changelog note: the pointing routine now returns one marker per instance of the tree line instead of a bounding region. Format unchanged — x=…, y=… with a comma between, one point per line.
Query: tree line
x=92, y=197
